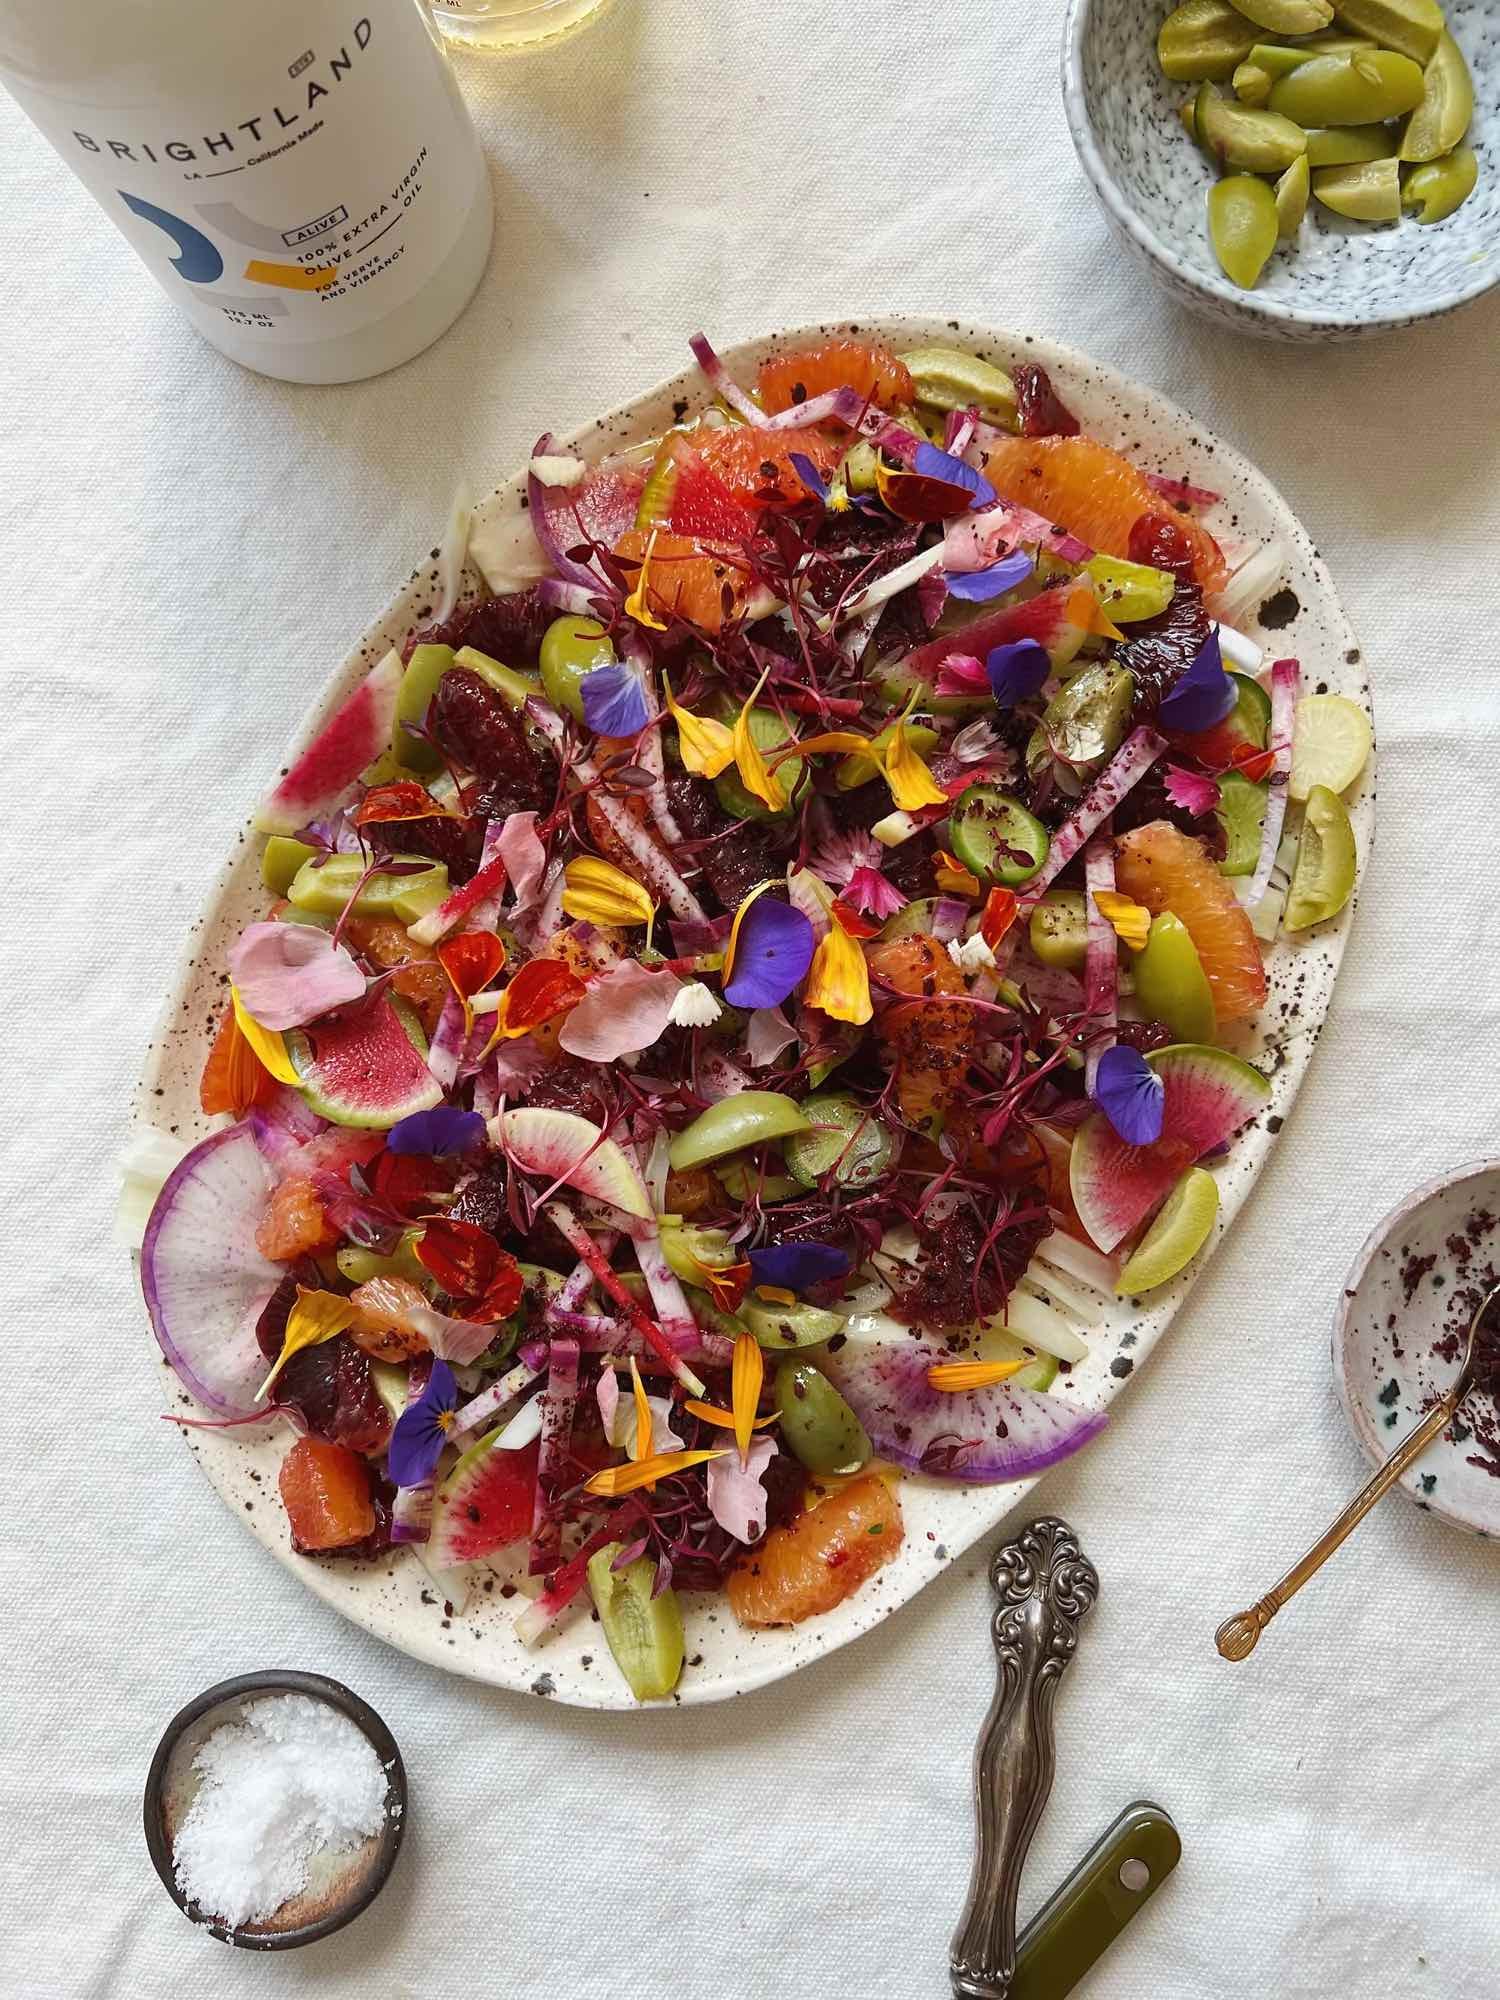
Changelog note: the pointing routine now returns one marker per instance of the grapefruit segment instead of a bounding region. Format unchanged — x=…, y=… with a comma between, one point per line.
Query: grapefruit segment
x=1166, y=869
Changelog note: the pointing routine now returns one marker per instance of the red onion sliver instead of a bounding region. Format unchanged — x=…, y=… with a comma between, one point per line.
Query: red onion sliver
x=559, y=1400
x=1286, y=676
x=949, y=915
x=1101, y=963
x=723, y=384
x=1180, y=490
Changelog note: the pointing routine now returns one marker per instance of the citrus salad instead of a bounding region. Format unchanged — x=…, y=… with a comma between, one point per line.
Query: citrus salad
x=723, y=1011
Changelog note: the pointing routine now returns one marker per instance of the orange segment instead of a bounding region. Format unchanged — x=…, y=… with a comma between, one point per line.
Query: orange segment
x=866, y=366
x=419, y=978
x=682, y=582
x=325, y=1489
x=294, y=1224
x=1168, y=870
x=1095, y=494
x=821, y=1558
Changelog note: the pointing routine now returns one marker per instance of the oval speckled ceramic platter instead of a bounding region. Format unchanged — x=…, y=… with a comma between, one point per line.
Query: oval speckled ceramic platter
x=394, y=1597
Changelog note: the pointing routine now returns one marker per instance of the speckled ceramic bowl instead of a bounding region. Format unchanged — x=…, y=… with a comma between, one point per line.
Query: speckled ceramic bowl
x=1341, y=280
x=465, y=1621
x=1398, y=1340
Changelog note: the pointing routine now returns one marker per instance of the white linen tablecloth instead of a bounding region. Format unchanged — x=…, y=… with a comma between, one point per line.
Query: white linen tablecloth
x=187, y=550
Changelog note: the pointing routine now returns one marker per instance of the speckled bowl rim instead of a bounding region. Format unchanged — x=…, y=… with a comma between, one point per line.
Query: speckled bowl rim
x=1367, y=1440
x=279, y=1680
x=1108, y=191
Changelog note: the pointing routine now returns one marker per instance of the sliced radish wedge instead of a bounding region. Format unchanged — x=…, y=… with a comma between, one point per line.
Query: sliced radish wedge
x=570, y=1151
x=352, y=739
x=981, y=1436
x=204, y=1280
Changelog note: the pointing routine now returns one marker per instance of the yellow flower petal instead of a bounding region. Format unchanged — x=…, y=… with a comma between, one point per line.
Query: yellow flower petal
x=838, y=980
x=316, y=1317
x=1129, y=921
x=754, y=776
x=635, y=604
x=710, y=1413
x=599, y=893
x=911, y=782
x=830, y=739
x=641, y=1446
x=952, y=877
x=705, y=745
x=747, y=1372
x=267, y=1043
x=617, y=1479
x=954, y=1377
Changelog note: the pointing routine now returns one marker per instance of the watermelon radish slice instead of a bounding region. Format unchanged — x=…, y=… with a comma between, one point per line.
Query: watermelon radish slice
x=562, y=1147
x=461, y=903
x=1059, y=620
x=204, y=1280
x=1209, y=1095
x=369, y=1070
x=342, y=748
x=980, y=1436
x=484, y=1504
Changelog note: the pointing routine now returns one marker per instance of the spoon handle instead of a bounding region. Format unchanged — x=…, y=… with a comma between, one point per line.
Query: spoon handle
x=1236, y=1638
x=1045, y=1585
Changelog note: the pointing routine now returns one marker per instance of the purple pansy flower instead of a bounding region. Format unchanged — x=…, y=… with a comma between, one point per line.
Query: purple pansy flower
x=793, y=1267
x=770, y=950
x=935, y=464
x=978, y=586
x=438, y=1132
x=1203, y=695
x=422, y=1430
x=809, y=474
x=613, y=702
x=1016, y=671
x=1130, y=1094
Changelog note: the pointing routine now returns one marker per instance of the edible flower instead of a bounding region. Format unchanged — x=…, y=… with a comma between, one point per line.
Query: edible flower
x=952, y=877
x=710, y=1413
x=933, y=463
x=769, y=951
x=868, y=891
x=979, y=586
x=810, y=476
x=746, y=1373
x=614, y=702
x=268, y=1044
x=694, y=1006
x=725, y=1284
x=617, y=1479
x=952, y=1378
x=840, y=854
x=961, y=674
x=1190, y=790
x=471, y=960
x=621, y=1014
x=910, y=781
x=920, y=497
x=470, y=1266
x=621, y=1417
x=1203, y=695
x=998, y=914
x=636, y=606
x=754, y=776
x=855, y=922
x=600, y=893
x=705, y=745
x=314, y=1318
x=1016, y=671
x=437, y=1133
x=422, y=1429
x=641, y=1445
x=793, y=1267
x=839, y=980
x=735, y=1489
x=541, y=989
x=766, y=1035
x=1131, y=1095
x=402, y=799
x=1130, y=922
x=288, y=974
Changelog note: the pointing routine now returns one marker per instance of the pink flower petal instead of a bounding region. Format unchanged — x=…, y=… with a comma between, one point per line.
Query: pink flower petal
x=736, y=1493
x=962, y=673
x=621, y=1014
x=1190, y=790
x=872, y=895
x=524, y=856
x=288, y=974
x=768, y=1033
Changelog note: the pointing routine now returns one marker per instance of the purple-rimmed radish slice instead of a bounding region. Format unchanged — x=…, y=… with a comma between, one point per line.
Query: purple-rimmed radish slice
x=347, y=744
x=569, y=1151
x=979, y=1436
x=204, y=1280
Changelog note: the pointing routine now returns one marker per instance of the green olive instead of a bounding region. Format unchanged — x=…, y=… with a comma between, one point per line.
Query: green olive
x=1085, y=724
x=1292, y=191
x=1204, y=40
x=424, y=670
x=642, y=1625
x=1242, y=223
x=516, y=688
x=1059, y=929
x=1439, y=186
x=1411, y=27
x=324, y=888
x=1370, y=192
x=1259, y=141
x=1347, y=145
x=573, y=648
x=1357, y=88
x=817, y=1425
x=1281, y=60
x=799, y=1325
x=748, y=1119
x=1252, y=84
x=860, y=467
x=1443, y=116
x=948, y=379
x=282, y=858
x=1288, y=17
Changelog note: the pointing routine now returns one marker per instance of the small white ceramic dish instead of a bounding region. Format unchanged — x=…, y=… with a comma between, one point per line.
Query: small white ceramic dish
x=1341, y=280
x=1398, y=1340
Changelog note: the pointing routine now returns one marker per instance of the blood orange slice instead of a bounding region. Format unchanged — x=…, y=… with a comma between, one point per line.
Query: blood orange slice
x=866, y=366
x=820, y=1559
x=1166, y=869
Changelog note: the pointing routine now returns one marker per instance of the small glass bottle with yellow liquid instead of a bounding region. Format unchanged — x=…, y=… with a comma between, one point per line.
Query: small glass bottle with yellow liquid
x=513, y=25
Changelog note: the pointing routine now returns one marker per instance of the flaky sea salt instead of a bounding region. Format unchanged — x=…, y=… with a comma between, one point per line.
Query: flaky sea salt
x=291, y=1779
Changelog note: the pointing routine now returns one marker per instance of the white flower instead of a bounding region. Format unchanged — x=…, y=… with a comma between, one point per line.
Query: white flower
x=970, y=954
x=695, y=1007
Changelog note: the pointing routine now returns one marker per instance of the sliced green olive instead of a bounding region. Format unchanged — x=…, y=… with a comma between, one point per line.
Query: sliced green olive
x=1411, y=27
x=1368, y=193
x=689, y=1251
x=280, y=861
x=1241, y=813
x=1128, y=591
x=424, y=670
x=1360, y=87
x=642, y=1625
x=1059, y=930
x=1440, y=186
x=1170, y=983
x=798, y=1325
x=1327, y=861
x=1447, y=106
x=746, y=1180
x=325, y=887
x=842, y=1139
x=1348, y=145
x=1281, y=60
x=858, y=768
x=516, y=688
x=1085, y=724
x=817, y=1425
x=1252, y=84
x=748, y=1119
x=1262, y=142
x=572, y=649
x=1204, y=39
x=1292, y=191
x=1288, y=17
x=1242, y=224
x=948, y=379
